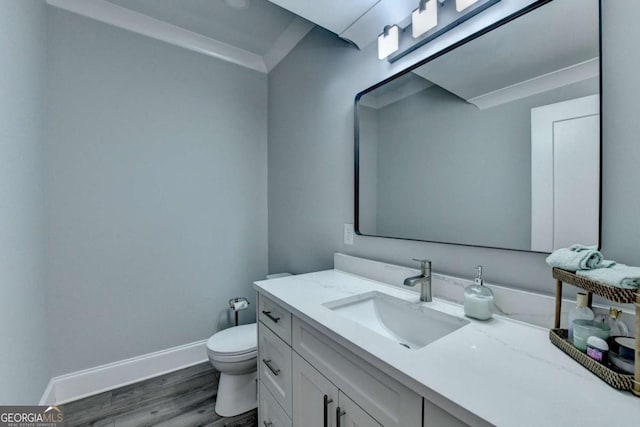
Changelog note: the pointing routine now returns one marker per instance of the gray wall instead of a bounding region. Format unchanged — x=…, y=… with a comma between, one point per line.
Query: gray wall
x=455, y=179
x=156, y=187
x=311, y=161
x=23, y=327
x=449, y=172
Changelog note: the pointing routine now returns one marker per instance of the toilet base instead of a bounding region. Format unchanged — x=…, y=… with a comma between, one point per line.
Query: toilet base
x=237, y=394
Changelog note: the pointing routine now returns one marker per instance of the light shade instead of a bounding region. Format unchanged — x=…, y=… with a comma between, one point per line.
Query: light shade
x=463, y=4
x=424, y=20
x=388, y=41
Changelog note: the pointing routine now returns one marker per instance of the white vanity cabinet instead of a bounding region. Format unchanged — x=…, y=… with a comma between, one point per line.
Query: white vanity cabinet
x=351, y=415
x=275, y=318
x=312, y=381
x=314, y=397
x=274, y=366
x=270, y=412
x=389, y=402
x=317, y=402
x=434, y=416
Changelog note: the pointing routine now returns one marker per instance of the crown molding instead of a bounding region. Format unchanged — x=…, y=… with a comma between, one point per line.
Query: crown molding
x=121, y=17
x=411, y=88
x=290, y=37
x=553, y=80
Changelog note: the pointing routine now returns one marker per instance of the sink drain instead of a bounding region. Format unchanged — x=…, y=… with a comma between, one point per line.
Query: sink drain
x=405, y=345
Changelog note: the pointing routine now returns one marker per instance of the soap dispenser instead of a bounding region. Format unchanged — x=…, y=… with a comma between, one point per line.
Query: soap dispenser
x=580, y=311
x=618, y=327
x=478, y=299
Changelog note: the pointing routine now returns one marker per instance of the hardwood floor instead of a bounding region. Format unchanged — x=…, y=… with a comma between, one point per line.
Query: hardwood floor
x=184, y=398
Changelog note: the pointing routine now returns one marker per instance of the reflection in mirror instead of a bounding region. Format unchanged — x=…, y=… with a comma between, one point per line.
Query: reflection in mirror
x=496, y=143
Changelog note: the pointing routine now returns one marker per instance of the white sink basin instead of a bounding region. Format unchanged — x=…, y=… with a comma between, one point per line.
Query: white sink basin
x=410, y=324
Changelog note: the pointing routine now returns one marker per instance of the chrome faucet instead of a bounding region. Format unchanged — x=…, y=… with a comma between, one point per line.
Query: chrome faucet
x=424, y=279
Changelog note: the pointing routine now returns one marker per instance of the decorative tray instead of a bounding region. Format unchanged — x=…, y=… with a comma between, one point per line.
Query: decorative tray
x=559, y=336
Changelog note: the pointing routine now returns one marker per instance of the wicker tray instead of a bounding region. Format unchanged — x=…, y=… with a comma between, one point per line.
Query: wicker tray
x=614, y=379
x=559, y=336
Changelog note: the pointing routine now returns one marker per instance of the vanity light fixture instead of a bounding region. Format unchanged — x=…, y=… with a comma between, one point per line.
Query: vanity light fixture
x=431, y=19
x=388, y=41
x=424, y=18
x=463, y=4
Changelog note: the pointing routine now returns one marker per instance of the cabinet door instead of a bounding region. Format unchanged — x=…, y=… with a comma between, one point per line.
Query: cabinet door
x=349, y=414
x=315, y=399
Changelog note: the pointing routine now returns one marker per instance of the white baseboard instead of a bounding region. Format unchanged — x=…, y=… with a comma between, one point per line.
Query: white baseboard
x=76, y=385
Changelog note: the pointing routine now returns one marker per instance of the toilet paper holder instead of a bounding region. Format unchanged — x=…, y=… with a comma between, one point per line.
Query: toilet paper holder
x=237, y=304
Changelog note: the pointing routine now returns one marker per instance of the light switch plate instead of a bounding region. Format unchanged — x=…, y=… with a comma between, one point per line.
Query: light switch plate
x=348, y=234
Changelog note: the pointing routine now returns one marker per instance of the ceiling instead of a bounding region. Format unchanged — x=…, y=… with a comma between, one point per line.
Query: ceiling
x=358, y=21
x=255, y=34
x=556, y=36
x=260, y=33
x=254, y=29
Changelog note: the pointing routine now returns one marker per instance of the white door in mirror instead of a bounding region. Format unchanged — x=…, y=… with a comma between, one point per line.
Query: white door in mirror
x=565, y=174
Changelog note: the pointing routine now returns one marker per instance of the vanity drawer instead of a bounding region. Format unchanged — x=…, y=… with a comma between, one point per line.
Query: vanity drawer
x=275, y=317
x=388, y=401
x=269, y=411
x=274, y=366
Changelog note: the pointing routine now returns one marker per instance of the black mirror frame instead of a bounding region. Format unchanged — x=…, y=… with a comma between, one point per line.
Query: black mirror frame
x=533, y=6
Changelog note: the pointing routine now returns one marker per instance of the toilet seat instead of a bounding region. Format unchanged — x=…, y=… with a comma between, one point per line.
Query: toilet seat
x=234, y=344
x=230, y=358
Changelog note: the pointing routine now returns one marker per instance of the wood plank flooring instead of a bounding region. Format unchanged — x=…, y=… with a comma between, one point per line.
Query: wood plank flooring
x=184, y=398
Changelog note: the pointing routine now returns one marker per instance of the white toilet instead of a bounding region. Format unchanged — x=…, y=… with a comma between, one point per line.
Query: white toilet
x=233, y=352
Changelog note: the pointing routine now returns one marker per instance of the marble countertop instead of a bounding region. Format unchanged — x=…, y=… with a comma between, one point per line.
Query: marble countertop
x=501, y=371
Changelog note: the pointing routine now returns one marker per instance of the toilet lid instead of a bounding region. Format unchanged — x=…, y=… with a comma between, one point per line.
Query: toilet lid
x=236, y=340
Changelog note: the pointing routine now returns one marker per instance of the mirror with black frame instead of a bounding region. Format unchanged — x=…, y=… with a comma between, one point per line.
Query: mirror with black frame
x=494, y=143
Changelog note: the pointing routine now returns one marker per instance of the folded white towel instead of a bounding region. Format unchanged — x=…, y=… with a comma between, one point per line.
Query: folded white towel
x=618, y=275
x=603, y=262
x=578, y=257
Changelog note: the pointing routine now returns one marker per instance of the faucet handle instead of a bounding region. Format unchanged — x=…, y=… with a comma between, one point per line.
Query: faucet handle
x=424, y=264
